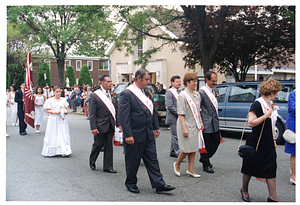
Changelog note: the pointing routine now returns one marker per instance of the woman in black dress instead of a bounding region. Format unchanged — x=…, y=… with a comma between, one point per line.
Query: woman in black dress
x=264, y=164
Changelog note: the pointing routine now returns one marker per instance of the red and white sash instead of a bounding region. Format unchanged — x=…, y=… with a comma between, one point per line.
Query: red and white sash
x=141, y=96
x=211, y=97
x=110, y=106
x=266, y=106
x=174, y=92
x=195, y=113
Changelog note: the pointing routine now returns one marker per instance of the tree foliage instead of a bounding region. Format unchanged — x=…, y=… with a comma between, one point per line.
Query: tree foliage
x=62, y=27
x=257, y=35
x=70, y=73
x=142, y=21
x=85, y=76
x=44, y=68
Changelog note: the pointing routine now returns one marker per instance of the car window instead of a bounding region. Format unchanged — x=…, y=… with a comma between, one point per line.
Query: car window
x=220, y=93
x=283, y=94
x=242, y=93
x=151, y=88
x=119, y=88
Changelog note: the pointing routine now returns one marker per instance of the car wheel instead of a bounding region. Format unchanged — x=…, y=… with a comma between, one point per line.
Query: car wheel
x=279, y=129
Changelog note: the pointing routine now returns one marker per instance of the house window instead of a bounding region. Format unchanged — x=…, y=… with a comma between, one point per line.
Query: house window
x=103, y=65
x=67, y=63
x=78, y=65
x=49, y=62
x=90, y=65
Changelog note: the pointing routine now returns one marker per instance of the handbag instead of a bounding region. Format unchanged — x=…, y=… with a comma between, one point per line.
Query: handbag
x=247, y=151
x=289, y=136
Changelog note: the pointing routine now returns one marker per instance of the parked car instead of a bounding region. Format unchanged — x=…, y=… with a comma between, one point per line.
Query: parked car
x=235, y=100
x=159, y=99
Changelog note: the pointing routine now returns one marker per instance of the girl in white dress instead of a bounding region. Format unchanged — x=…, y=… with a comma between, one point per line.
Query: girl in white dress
x=39, y=100
x=13, y=105
x=57, y=137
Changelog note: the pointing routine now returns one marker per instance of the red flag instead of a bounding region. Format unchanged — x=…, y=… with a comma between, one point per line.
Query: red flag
x=28, y=96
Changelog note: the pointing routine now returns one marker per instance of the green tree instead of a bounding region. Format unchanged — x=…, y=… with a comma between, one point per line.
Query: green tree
x=142, y=20
x=44, y=68
x=85, y=76
x=62, y=27
x=70, y=73
x=258, y=35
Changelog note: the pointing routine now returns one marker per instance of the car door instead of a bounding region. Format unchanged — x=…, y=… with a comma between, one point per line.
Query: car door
x=240, y=97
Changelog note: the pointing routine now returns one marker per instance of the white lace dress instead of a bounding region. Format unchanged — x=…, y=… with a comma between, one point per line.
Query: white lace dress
x=57, y=136
x=14, y=108
x=39, y=110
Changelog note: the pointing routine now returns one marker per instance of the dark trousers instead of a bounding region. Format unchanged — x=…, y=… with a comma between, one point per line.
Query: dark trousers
x=174, y=150
x=212, y=141
x=133, y=155
x=22, y=124
x=74, y=105
x=106, y=140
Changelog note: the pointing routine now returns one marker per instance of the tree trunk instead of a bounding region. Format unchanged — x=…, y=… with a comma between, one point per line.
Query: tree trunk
x=61, y=71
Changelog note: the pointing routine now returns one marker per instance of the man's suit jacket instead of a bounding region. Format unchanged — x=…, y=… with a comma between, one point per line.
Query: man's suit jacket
x=171, y=104
x=135, y=119
x=73, y=96
x=100, y=116
x=19, y=99
x=209, y=115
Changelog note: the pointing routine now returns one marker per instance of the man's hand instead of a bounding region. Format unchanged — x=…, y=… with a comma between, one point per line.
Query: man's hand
x=120, y=129
x=95, y=132
x=129, y=140
x=156, y=133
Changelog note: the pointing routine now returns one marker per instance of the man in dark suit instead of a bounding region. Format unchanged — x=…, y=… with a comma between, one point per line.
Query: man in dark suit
x=138, y=119
x=19, y=98
x=103, y=120
x=171, y=118
x=210, y=119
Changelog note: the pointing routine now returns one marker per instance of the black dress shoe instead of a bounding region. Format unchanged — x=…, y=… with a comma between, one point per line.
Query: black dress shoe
x=208, y=169
x=244, y=198
x=174, y=155
x=271, y=200
x=92, y=166
x=134, y=189
x=110, y=171
x=164, y=188
x=23, y=133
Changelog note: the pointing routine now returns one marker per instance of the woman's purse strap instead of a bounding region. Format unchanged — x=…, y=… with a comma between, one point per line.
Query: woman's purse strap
x=244, y=132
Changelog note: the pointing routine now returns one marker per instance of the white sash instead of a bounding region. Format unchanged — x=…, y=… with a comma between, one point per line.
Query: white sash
x=195, y=114
x=211, y=97
x=141, y=96
x=117, y=139
x=266, y=106
x=174, y=92
x=107, y=102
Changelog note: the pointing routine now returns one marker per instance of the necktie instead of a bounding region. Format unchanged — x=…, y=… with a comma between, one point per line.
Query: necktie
x=107, y=94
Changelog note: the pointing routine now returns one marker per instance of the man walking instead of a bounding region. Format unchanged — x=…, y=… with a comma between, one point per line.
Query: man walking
x=171, y=118
x=73, y=99
x=210, y=119
x=103, y=122
x=139, y=121
x=19, y=98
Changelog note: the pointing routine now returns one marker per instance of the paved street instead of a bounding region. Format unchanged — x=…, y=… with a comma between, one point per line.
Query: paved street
x=32, y=177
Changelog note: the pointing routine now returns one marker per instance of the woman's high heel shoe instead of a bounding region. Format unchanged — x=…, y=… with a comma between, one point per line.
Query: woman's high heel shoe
x=193, y=175
x=175, y=171
x=292, y=181
x=244, y=198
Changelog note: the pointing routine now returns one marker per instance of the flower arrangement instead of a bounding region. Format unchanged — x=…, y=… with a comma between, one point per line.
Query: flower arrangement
x=149, y=94
x=113, y=95
x=274, y=106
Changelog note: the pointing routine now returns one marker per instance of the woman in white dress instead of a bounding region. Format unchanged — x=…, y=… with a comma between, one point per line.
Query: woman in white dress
x=57, y=137
x=13, y=105
x=39, y=100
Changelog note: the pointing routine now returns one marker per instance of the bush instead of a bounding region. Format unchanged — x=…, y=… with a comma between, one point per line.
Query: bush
x=44, y=68
x=85, y=76
x=70, y=73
